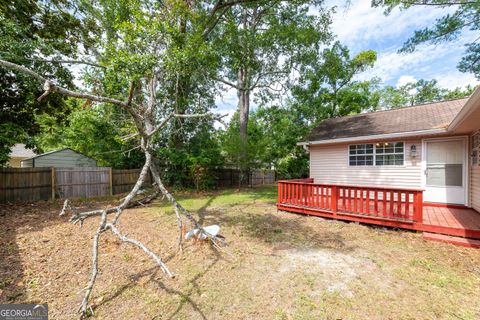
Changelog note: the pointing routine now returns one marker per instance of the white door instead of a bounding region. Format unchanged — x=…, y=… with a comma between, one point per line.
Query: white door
x=445, y=171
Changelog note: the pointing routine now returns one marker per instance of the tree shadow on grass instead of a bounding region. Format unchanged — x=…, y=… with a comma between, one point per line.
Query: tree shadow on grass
x=155, y=279
x=261, y=221
x=16, y=222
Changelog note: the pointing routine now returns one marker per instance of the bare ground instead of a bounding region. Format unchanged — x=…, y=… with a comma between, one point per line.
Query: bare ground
x=277, y=266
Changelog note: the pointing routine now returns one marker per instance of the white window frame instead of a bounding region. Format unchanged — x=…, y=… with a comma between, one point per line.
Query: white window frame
x=366, y=154
x=375, y=155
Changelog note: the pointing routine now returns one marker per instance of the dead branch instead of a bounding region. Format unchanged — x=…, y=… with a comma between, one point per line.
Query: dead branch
x=66, y=206
x=145, y=121
x=52, y=86
x=140, y=245
x=84, y=306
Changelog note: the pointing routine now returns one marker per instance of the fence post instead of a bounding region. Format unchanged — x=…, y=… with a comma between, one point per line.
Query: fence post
x=110, y=180
x=53, y=182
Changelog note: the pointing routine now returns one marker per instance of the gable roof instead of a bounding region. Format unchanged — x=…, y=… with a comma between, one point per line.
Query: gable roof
x=419, y=118
x=20, y=151
x=55, y=151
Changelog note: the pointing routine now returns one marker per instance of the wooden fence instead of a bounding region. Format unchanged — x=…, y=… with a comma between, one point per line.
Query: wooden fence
x=124, y=180
x=82, y=182
x=27, y=184
x=32, y=184
x=231, y=177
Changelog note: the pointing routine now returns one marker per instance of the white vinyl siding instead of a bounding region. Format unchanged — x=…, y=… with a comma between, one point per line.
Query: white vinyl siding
x=474, y=184
x=329, y=164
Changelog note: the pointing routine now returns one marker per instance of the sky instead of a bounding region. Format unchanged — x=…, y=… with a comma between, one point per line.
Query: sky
x=361, y=27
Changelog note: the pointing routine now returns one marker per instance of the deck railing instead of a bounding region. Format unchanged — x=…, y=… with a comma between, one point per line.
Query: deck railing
x=377, y=202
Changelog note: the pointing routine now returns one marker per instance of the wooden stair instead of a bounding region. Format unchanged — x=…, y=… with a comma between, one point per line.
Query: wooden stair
x=458, y=241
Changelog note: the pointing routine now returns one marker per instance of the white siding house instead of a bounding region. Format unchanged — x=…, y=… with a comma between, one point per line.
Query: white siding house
x=435, y=147
x=19, y=152
x=64, y=158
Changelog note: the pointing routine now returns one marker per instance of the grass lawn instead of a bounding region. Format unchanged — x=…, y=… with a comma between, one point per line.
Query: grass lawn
x=277, y=265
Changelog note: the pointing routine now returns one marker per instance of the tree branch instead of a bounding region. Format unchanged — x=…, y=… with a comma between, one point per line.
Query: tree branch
x=53, y=87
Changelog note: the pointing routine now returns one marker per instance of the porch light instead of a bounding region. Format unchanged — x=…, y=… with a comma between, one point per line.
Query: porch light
x=413, y=151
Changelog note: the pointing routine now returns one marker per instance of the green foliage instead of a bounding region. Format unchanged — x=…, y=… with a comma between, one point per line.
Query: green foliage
x=280, y=130
x=238, y=153
x=421, y=91
x=31, y=31
x=446, y=28
x=92, y=131
x=327, y=88
x=195, y=162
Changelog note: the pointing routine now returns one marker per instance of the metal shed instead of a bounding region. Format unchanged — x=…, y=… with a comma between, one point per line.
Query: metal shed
x=64, y=158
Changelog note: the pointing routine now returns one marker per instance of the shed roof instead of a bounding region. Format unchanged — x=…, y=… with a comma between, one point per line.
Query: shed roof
x=55, y=151
x=20, y=151
x=428, y=116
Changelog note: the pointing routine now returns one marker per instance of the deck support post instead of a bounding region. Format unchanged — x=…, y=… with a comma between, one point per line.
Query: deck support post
x=334, y=192
x=279, y=193
x=419, y=207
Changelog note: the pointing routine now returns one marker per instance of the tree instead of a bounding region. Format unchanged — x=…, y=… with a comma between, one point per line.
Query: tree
x=94, y=131
x=261, y=44
x=280, y=129
x=135, y=64
x=418, y=92
x=447, y=28
x=47, y=30
x=328, y=87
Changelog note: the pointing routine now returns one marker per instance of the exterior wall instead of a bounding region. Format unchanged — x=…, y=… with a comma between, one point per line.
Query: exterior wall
x=329, y=164
x=474, y=183
x=26, y=163
x=15, y=162
x=61, y=159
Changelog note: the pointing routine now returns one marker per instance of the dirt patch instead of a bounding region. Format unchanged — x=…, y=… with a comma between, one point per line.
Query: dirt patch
x=336, y=269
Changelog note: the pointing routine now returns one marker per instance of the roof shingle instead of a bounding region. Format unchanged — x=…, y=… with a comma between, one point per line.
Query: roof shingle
x=416, y=118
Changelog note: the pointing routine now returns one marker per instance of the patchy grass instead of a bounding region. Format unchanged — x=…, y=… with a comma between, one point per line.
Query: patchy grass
x=277, y=265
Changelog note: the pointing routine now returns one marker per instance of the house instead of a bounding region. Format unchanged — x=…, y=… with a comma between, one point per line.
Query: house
x=416, y=167
x=63, y=158
x=19, y=152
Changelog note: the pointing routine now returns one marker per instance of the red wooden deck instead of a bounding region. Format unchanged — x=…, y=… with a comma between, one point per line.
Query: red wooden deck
x=452, y=221
x=393, y=207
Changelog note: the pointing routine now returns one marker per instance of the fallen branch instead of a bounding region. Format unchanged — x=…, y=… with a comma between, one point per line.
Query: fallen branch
x=146, y=124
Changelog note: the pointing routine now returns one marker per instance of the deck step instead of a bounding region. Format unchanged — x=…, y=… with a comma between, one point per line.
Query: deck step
x=458, y=241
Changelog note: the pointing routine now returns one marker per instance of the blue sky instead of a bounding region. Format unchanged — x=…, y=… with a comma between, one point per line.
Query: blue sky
x=361, y=27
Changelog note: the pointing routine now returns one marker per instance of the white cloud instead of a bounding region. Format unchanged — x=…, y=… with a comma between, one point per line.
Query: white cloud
x=359, y=23
x=426, y=62
x=405, y=79
x=455, y=78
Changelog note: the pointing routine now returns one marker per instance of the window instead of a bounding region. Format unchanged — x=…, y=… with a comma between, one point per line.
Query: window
x=389, y=153
x=361, y=155
x=380, y=154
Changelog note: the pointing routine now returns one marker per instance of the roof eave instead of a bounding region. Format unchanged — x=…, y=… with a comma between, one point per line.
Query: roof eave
x=376, y=137
x=466, y=111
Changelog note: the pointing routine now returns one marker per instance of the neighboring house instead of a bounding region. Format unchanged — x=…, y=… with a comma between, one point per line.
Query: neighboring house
x=63, y=158
x=371, y=163
x=19, y=152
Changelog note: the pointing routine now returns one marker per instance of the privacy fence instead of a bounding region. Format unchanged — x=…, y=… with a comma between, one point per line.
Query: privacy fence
x=231, y=177
x=31, y=184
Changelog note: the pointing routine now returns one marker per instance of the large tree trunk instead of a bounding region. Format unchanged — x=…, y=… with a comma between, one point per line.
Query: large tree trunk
x=243, y=110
